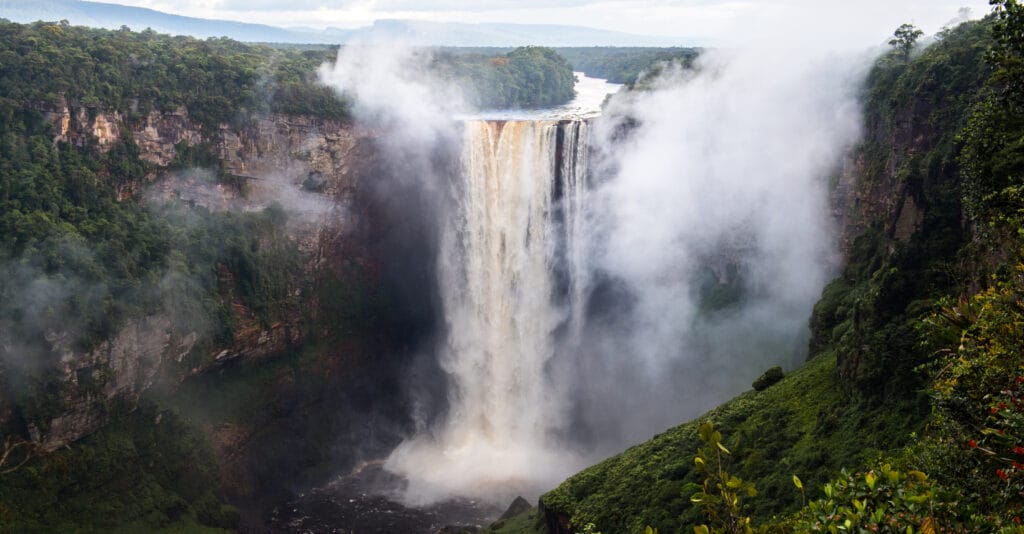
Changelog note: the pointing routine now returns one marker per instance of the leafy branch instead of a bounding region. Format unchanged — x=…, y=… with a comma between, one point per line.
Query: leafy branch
x=13, y=448
x=720, y=496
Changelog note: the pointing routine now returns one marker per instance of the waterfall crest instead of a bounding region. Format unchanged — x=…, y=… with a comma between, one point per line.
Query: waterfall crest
x=510, y=274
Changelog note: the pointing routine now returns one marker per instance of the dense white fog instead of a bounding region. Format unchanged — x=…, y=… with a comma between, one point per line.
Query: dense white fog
x=711, y=219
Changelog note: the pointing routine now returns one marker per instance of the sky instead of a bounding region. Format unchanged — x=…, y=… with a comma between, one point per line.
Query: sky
x=727, y=22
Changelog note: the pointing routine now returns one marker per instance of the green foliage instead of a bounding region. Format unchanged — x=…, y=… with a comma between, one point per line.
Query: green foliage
x=977, y=389
x=74, y=257
x=77, y=259
x=626, y=65
x=719, y=497
x=886, y=500
x=803, y=423
x=246, y=258
x=769, y=377
x=528, y=522
x=81, y=254
x=526, y=77
x=904, y=39
x=1008, y=51
x=146, y=471
x=914, y=112
x=993, y=153
x=979, y=398
x=216, y=80
x=78, y=254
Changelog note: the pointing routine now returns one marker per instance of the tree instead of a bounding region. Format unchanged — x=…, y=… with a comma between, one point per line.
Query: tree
x=904, y=39
x=1008, y=53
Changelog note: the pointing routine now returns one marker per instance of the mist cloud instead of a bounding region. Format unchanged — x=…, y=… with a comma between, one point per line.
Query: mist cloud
x=710, y=242
x=721, y=184
x=391, y=88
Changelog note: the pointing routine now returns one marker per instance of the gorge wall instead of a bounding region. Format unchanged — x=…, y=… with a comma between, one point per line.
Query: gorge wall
x=314, y=169
x=294, y=390
x=897, y=201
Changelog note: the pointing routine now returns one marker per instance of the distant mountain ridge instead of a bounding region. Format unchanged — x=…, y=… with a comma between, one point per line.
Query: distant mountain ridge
x=497, y=34
x=419, y=33
x=114, y=16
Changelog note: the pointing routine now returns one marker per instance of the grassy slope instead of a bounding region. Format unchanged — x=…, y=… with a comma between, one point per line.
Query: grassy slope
x=528, y=522
x=802, y=425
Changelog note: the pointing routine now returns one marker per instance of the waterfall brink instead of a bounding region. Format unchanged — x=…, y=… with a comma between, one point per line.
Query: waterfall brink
x=511, y=274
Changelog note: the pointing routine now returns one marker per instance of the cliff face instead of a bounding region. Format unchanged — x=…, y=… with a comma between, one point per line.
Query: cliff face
x=312, y=168
x=121, y=368
x=902, y=226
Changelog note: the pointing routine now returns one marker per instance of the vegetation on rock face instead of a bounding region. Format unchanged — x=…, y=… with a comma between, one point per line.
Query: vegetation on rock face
x=914, y=112
x=78, y=262
x=81, y=254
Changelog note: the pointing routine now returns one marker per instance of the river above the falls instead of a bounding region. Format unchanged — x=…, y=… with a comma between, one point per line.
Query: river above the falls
x=590, y=96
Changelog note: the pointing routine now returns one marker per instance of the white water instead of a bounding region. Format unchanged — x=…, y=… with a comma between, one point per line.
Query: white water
x=573, y=181
x=499, y=254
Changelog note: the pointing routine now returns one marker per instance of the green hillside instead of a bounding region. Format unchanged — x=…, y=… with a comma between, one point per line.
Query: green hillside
x=917, y=361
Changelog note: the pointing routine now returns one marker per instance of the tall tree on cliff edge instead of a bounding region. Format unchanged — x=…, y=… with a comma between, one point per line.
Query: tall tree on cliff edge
x=905, y=38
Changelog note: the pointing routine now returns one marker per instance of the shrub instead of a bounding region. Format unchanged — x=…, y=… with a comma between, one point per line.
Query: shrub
x=769, y=378
x=886, y=500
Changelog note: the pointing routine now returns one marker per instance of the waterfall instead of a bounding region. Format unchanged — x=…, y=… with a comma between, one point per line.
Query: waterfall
x=511, y=274
x=573, y=182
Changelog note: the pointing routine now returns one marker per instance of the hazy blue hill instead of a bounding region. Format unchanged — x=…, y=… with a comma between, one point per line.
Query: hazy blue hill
x=113, y=16
x=493, y=34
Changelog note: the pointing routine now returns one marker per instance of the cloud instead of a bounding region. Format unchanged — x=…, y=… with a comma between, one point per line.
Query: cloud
x=725, y=22
x=400, y=5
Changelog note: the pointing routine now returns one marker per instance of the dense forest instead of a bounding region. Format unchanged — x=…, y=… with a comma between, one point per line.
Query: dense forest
x=532, y=77
x=626, y=65
x=79, y=261
x=224, y=81
x=217, y=80
x=909, y=415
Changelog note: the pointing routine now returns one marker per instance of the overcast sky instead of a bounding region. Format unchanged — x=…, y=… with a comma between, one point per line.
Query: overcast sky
x=727, y=22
